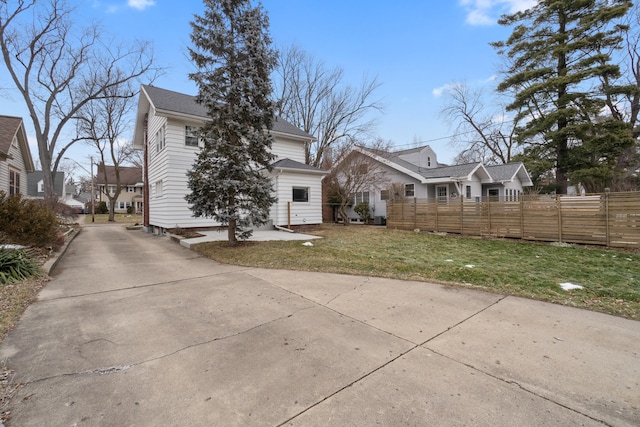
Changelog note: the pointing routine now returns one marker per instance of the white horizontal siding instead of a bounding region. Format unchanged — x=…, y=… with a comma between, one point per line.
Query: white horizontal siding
x=171, y=164
x=15, y=162
x=301, y=212
x=284, y=148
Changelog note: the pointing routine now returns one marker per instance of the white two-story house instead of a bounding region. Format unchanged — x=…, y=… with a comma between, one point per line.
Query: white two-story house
x=166, y=127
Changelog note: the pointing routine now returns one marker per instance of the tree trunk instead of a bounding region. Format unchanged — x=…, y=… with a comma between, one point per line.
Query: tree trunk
x=233, y=241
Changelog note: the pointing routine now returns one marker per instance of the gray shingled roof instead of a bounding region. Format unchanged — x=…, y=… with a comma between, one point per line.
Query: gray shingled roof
x=504, y=172
x=36, y=176
x=292, y=164
x=129, y=175
x=170, y=101
x=8, y=128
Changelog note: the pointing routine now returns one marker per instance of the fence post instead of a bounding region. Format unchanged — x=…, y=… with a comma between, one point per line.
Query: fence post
x=461, y=215
x=606, y=210
x=436, y=208
x=559, y=207
x=415, y=213
x=521, y=216
x=489, y=214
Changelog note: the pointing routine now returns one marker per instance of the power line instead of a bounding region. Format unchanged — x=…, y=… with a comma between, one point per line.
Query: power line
x=433, y=140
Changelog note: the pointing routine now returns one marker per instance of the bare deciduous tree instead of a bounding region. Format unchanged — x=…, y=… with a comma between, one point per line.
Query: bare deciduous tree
x=58, y=67
x=318, y=101
x=103, y=122
x=487, y=136
x=353, y=173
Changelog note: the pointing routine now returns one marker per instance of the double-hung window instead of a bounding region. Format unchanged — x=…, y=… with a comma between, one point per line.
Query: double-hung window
x=14, y=182
x=191, y=136
x=409, y=190
x=361, y=197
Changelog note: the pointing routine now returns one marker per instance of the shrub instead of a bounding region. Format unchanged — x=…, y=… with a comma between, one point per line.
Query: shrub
x=101, y=208
x=362, y=209
x=28, y=222
x=15, y=266
x=129, y=209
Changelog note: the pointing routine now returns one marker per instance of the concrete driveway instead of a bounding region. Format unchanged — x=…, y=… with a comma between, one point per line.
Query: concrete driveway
x=135, y=330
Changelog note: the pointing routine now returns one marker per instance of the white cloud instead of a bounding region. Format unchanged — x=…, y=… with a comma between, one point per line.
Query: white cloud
x=487, y=12
x=439, y=91
x=141, y=4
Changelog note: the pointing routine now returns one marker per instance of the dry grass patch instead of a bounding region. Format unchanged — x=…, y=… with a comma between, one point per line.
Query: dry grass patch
x=610, y=278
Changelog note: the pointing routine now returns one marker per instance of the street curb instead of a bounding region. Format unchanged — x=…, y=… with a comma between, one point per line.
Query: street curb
x=52, y=262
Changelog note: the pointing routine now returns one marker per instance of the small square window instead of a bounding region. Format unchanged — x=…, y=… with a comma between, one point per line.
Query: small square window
x=300, y=194
x=384, y=194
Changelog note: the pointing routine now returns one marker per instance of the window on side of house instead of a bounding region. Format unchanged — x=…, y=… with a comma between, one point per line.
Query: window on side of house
x=429, y=161
x=361, y=197
x=159, y=188
x=409, y=190
x=300, y=194
x=191, y=136
x=442, y=193
x=468, y=191
x=14, y=182
x=160, y=142
x=384, y=194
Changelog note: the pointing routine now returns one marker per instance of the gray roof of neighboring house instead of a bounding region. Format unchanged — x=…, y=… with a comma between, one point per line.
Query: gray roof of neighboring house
x=292, y=164
x=129, y=175
x=8, y=128
x=504, y=172
x=36, y=176
x=170, y=101
x=13, y=126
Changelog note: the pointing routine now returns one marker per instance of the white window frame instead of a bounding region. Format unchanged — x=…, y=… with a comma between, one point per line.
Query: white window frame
x=360, y=197
x=190, y=135
x=409, y=190
x=14, y=181
x=468, y=191
x=158, y=186
x=439, y=196
x=384, y=195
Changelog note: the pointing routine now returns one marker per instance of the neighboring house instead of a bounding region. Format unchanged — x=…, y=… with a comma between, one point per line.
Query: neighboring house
x=417, y=173
x=36, y=184
x=131, y=195
x=166, y=126
x=15, y=157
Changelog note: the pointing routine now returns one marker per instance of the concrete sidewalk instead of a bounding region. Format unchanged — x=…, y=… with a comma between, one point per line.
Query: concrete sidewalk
x=137, y=330
x=257, y=236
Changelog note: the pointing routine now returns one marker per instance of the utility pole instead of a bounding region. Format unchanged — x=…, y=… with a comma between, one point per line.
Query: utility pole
x=93, y=199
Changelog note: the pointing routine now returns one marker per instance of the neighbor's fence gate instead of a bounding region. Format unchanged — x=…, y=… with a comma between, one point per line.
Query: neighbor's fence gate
x=610, y=219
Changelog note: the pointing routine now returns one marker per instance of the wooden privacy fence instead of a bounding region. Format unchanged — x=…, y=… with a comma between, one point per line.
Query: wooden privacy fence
x=610, y=219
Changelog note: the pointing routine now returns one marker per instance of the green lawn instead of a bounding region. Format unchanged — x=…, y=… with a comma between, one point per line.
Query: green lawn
x=611, y=279
x=119, y=218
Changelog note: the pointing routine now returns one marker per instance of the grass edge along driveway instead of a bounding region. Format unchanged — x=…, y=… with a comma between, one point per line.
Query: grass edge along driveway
x=610, y=278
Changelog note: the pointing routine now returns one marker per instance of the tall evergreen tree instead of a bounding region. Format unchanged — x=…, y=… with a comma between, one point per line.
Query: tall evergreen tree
x=557, y=60
x=234, y=59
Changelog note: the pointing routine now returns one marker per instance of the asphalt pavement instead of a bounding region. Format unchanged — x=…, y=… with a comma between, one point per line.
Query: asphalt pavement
x=137, y=330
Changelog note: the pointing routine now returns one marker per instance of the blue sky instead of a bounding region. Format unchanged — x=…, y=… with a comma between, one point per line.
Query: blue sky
x=414, y=48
